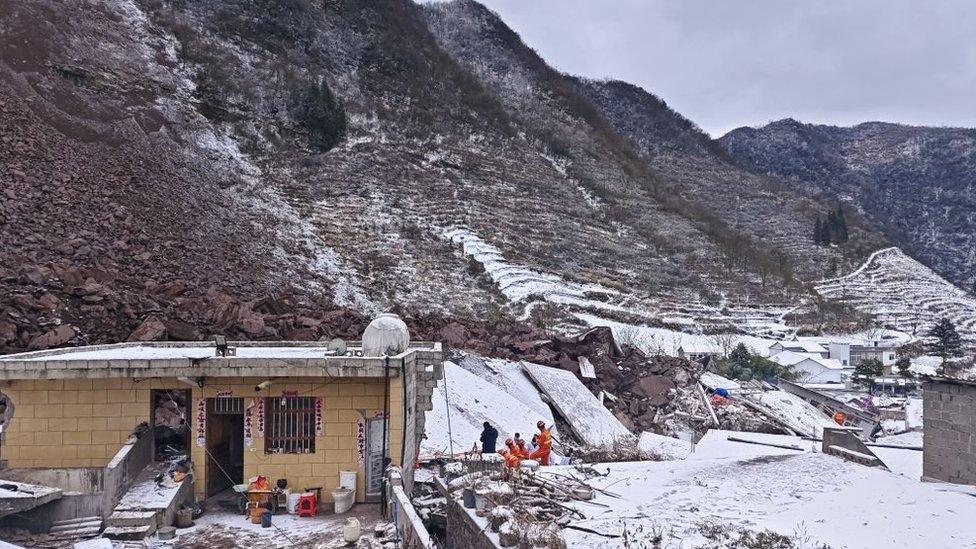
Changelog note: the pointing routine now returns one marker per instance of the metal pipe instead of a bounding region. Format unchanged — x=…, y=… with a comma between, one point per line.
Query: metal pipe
x=386, y=421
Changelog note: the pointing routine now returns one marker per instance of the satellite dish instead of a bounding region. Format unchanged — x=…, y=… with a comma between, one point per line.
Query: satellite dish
x=337, y=346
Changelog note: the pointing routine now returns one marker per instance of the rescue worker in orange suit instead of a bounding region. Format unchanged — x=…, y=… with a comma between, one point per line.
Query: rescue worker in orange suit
x=523, y=451
x=840, y=418
x=541, y=453
x=511, y=447
x=512, y=461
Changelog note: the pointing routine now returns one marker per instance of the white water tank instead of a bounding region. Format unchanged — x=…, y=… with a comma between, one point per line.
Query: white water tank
x=385, y=335
x=347, y=479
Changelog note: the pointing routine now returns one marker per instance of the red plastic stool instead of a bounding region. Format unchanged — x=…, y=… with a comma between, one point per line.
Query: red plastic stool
x=308, y=505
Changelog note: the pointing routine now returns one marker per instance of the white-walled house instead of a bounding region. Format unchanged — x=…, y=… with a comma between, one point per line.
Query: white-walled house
x=881, y=351
x=806, y=347
x=840, y=351
x=813, y=368
x=849, y=350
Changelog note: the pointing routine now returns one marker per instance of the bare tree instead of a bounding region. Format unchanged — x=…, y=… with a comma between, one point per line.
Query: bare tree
x=725, y=342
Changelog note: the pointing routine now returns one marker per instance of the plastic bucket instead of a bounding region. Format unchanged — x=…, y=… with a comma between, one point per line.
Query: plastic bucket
x=468, y=496
x=293, y=502
x=266, y=519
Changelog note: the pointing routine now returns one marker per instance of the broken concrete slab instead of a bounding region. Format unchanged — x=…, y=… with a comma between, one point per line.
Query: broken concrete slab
x=17, y=497
x=593, y=423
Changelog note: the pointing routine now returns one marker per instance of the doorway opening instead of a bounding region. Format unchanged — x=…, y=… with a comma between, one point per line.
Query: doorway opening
x=225, y=443
x=171, y=432
x=374, y=457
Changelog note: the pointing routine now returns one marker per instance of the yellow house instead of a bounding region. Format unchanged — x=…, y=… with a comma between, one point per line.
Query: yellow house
x=284, y=410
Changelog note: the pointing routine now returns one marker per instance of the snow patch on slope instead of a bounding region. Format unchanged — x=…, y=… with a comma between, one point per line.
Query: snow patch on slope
x=518, y=283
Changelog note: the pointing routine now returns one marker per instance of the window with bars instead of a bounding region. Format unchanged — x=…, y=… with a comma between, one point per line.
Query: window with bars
x=289, y=425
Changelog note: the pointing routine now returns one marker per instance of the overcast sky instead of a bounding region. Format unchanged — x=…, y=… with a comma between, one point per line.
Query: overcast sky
x=731, y=63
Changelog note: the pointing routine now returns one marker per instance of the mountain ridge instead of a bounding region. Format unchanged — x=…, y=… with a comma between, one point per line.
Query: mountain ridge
x=321, y=161
x=915, y=183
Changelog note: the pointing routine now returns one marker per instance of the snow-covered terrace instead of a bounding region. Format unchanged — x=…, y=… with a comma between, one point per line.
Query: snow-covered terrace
x=192, y=359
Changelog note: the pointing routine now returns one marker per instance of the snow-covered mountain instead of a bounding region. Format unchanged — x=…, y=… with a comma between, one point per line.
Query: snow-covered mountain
x=904, y=295
x=273, y=169
x=917, y=184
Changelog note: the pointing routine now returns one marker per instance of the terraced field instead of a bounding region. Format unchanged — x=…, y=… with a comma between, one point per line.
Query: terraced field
x=904, y=295
x=527, y=287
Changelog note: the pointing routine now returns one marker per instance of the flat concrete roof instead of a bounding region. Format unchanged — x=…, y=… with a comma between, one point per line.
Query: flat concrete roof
x=194, y=359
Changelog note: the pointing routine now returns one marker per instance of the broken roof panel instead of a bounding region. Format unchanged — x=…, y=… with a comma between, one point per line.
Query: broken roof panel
x=586, y=416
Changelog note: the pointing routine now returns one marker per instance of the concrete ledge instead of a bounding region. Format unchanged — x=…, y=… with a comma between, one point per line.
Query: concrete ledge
x=193, y=359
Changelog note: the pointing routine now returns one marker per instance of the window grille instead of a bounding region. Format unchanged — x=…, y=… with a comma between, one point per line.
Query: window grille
x=225, y=406
x=289, y=425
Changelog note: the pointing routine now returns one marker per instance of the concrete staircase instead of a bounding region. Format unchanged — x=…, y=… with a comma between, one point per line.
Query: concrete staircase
x=76, y=528
x=147, y=505
x=130, y=525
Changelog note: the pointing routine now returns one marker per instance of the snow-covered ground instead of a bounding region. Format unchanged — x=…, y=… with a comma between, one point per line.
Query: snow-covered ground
x=811, y=497
x=664, y=447
x=222, y=529
x=907, y=463
x=716, y=445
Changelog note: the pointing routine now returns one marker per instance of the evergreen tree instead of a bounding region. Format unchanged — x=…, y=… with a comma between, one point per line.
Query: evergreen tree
x=946, y=342
x=818, y=235
x=740, y=356
x=904, y=365
x=867, y=370
x=841, y=233
x=973, y=290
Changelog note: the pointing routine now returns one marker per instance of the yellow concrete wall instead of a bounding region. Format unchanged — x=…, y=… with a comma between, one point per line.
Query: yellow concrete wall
x=83, y=423
x=73, y=422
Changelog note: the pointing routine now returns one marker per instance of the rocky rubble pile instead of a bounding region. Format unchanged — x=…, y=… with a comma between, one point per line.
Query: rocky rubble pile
x=659, y=393
x=639, y=389
x=54, y=305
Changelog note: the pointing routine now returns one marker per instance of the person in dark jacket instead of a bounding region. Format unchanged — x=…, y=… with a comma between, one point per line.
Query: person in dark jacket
x=488, y=438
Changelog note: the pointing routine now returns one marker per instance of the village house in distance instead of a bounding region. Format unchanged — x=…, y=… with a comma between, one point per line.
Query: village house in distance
x=815, y=359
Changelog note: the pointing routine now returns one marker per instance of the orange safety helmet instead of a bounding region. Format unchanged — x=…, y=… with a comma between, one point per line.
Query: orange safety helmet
x=509, y=442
